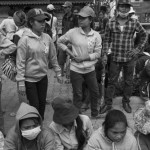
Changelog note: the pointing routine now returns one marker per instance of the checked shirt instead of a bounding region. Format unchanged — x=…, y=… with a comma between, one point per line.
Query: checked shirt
x=123, y=41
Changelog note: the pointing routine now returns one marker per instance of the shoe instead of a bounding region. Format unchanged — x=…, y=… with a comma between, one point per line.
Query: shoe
x=105, y=108
x=127, y=107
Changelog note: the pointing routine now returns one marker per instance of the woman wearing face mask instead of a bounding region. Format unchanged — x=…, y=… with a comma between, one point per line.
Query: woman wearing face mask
x=28, y=133
x=71, y=130
x=113, y=135
x=35, y=50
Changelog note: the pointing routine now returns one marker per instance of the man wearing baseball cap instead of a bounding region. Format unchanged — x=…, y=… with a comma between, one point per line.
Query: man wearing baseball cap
x=68, y=22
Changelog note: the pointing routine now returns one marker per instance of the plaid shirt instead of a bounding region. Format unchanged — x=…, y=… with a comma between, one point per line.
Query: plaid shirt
x=122, y=41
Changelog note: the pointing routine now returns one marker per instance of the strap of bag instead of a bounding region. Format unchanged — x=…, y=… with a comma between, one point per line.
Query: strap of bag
x=51, y=22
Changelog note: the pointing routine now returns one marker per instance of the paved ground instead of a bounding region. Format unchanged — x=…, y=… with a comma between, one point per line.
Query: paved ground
x=10, y=102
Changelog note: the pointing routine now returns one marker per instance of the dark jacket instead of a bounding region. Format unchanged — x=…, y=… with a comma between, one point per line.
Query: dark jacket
x=14, y=140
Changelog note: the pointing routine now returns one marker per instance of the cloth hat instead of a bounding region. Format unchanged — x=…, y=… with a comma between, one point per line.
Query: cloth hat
x=86, y=11
x=37, y=14
x=64, y=110
x=50, y=7
x=131, y=10
x=67, y=4
x=20, y=18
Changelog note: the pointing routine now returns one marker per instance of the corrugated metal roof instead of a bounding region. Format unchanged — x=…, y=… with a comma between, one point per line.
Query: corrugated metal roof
x=75, y=1
x=23, y=2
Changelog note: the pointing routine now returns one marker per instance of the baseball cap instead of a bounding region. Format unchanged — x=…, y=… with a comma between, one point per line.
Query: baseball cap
x=67, y=4
x=37, y=14
x=86, y=11
x=50, y=7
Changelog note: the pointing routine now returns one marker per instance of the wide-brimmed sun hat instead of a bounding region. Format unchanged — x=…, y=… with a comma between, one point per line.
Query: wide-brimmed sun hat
x=64, y=110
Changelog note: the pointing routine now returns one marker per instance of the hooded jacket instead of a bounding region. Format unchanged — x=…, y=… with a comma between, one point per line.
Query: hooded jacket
x=14, y=140
x=99, y=141
x=33, y=56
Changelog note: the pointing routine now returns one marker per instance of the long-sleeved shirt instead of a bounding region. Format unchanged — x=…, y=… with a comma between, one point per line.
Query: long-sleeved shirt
x=33, y=56
x=66, y=139
x=83, y=45
x=122, y=41
x=9, y=26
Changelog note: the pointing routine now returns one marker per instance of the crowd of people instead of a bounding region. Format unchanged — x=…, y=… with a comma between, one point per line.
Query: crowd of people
x=30, y=46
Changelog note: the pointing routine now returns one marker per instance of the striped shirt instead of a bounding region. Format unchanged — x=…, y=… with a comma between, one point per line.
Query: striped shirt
x=122, y=41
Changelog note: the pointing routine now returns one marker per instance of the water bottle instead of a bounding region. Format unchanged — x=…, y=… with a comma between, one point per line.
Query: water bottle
x=1, y=141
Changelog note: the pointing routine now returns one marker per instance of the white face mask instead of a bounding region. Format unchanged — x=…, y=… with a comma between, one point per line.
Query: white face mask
x=123, y=15
x=32, y=133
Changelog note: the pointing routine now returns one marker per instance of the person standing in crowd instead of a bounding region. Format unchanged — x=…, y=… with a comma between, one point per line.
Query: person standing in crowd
x=114, y=134
x=68, y=22
x=119, y=32
x=52, y=22
x=103, y=19
x=86, y=49
x=71, y=129
x=35, y=50
x=28, y=131
x=8, y=25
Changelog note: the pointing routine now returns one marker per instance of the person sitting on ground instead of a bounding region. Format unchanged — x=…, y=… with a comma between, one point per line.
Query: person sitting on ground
x=142, y=125
x=71, y=129
x=114, y=134
x=28, y=133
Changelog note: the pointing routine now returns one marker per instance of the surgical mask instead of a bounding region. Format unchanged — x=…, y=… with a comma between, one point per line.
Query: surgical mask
x=123, y=15
x=32, y=133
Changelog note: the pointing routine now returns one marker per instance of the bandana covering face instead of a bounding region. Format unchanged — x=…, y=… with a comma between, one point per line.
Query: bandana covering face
x=32, y=133
x=123, y=15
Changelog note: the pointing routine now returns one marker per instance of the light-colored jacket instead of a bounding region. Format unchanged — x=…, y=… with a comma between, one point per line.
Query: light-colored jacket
x=33, y=56
x=65, y=139
x=82, y=45
x=99, y=141
x=14, y=140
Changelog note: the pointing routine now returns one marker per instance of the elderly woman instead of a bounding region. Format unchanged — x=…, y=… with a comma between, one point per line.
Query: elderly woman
x=28, y=133
x=71, y=130
x=86, y=49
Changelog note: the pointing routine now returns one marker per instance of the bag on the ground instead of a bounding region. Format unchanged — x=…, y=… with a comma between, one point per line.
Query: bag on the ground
x=9, y=68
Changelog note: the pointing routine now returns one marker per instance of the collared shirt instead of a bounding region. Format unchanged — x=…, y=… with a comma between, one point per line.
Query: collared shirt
x=67, y=139
x=83, y=45
x=68, y=22
x=122, y=41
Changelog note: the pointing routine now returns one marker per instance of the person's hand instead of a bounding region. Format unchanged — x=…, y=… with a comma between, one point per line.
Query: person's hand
x=132, y=53
x=104, y=59
x=78, y=59
x=60, y=79
x=22, y=90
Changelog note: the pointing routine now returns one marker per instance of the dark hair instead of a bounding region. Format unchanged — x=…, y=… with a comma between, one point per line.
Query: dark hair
x=103, y=9
x=11, y=12
x=80, y=133
x=29, y=20
x=113, y=117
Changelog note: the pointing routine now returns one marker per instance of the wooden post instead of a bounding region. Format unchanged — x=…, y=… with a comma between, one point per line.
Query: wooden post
x=1, y=112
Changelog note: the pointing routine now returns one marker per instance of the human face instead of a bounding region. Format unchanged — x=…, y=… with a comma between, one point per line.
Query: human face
x=124, y=8
x=28, y=124
x=84, y=22
x=67, y=9
x=38, y=26
x=117, y=133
